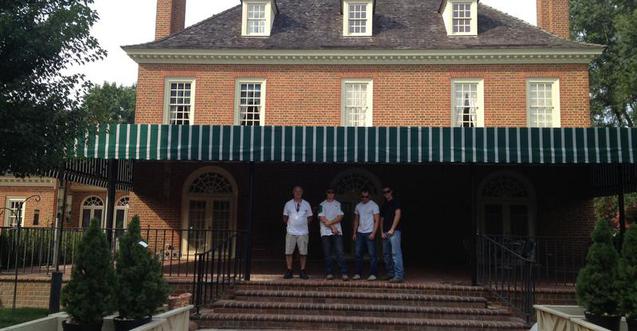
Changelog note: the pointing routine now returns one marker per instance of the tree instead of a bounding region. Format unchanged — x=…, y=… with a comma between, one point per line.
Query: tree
x=613, y=74
x=40, y=112
x=110, y=103
x=628, y=274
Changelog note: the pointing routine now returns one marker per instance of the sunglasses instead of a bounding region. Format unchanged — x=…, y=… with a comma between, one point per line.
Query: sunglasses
x=387, y=191
x=364, y=196
x=330, y=192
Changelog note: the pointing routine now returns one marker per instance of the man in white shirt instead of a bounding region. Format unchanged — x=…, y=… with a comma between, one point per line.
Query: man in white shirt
x=366, y=221
x=297, y=213
x=331, y=216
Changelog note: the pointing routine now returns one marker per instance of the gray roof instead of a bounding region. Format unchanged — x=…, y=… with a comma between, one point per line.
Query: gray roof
x=398, y=24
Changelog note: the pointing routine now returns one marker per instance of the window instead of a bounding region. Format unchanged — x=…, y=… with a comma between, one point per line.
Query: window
x=258, y=17
x=543, y=103
x=11, y=215
x=462, y=17
x=36, y=217
x=121, y=212
x=180, y=102
x=357, y=103
x=357, y=18
x=92, y=208
x=250, y=102
x=467, y=104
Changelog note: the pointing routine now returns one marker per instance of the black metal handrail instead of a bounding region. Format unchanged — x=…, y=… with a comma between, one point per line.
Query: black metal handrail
x=219, y=268
x=507, y=274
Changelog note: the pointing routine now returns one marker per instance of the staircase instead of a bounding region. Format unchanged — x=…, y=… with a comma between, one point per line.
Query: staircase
x=356, y=305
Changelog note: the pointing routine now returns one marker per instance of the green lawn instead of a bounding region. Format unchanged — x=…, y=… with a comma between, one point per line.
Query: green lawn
x=9, y=317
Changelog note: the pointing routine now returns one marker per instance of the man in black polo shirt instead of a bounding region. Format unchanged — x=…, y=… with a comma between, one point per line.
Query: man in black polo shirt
x=390, y=218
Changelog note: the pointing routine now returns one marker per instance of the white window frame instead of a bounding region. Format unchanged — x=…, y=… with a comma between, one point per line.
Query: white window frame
x=8, y=215
x=447, y=16
x=557, y=114
x=370, y=18
x=92, y=208
x=369, y=120
x=479, y=102
x=237, y=99
x=193, y=89
x=269, y=18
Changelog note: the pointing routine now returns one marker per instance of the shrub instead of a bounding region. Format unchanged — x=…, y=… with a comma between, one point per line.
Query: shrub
x=89, y=296
x=628, y=274
x=141, y=286
x=596, y=284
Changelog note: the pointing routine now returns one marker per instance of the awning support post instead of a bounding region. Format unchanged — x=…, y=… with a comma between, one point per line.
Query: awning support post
x=474, y=229
x=113, y=167
x=621, y=206
x=249, y=226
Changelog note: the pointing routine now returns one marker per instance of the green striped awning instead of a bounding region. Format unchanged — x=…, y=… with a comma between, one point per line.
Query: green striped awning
x=361, y=145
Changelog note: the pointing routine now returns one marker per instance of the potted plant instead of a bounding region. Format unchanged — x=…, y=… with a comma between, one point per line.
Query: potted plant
x=141, y=288
x=628, y=273
x=596, y=286
x=88, y=297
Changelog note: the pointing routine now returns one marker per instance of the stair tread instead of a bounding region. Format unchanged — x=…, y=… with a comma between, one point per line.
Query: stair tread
x=359, y=307
x=360, y=284
x=364, y=319
x=358, y=295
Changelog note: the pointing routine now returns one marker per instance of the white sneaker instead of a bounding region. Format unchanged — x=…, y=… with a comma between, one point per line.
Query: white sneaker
x=356, y=277
x=371, y=278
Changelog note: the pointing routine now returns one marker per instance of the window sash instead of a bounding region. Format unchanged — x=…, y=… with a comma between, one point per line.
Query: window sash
x=11, y=216
x=357, y=18
x=180, y=103
x=356, y=104
x=541, y=104
x=256, y=20
x=466, y=105
x=462, y=17
x=250, y=103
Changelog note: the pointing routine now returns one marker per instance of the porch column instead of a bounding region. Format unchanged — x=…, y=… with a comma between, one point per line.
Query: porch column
x=474, y=227
x=248, y=238
x=113, y=168
x=621, y=205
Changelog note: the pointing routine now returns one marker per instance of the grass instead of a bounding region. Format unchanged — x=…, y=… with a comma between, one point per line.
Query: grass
x=9, y=317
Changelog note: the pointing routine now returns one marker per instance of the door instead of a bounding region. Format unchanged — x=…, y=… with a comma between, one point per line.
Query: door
x=209, y=223
x=510, y=220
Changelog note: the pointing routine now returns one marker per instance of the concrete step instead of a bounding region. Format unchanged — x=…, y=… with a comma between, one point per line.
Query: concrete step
x=331, y=322
x=360, y=297
x=336, y=309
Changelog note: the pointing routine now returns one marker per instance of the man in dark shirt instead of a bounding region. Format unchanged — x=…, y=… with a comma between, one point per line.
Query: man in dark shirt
x=390, y=217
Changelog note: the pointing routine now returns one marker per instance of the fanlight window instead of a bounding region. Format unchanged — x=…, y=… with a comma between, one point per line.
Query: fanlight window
x=505, y=187
x=93, y=202
x=123, y=202
x=211, y=183
x=355, y=182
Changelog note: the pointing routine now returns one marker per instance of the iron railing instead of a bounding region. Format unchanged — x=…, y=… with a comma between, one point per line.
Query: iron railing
x=507, y=274
x=219, y=268
x=31, y=249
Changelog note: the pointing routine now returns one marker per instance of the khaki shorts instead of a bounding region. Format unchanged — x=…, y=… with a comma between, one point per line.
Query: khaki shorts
x=292, y=241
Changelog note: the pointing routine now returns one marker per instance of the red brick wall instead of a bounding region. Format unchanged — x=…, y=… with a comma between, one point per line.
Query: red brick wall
x=46, y=206
x=171, y=17
x=404, y=95
x=553, y=16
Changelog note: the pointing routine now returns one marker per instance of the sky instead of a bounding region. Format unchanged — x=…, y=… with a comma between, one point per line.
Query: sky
x=126, y=22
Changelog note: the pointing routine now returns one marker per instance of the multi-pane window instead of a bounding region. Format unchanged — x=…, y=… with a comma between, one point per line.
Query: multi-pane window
x=466, y=106
x=357, y=18
x=542, y=104
x=357, y=106
x=461, y=17
x=256, y=19
x=251, y=103
x=92, y=208
x=180, y=103
x=11, y=215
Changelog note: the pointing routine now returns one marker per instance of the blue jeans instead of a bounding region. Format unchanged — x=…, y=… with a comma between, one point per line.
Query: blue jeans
x=362, y=242
x=333, y=250
x=393, y=256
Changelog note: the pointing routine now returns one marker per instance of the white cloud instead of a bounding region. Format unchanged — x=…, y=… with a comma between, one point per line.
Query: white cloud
x=125, y=22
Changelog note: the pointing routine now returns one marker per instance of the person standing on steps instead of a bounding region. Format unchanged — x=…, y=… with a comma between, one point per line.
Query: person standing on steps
x=331, y=215
x=390, y=220
x=366, y=222
x=297, y=214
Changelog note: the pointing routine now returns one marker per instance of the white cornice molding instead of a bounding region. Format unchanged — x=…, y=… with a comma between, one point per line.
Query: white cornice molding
x=472, y=56
x=27, y=181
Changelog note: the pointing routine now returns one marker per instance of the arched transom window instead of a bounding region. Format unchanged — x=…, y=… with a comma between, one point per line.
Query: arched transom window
x=92, y=208
x=211, y=183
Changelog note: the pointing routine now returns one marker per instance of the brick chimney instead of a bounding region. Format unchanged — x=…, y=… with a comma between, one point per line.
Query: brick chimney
x=171, y=17
x=553, y=16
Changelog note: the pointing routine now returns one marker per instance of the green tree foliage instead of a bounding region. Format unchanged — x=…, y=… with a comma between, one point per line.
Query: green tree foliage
x=606, y=208
x=614, y=74
x=89, y=296
x=110, y=103
x=40, y=110
x=596, y=286
x=628, y=274
x=141, y=286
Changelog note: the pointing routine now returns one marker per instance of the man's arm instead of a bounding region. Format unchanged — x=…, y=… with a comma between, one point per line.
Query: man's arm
x=396, y=221
x=355, y=227
x=285, y=219
x=376, y=224
x=382, y=226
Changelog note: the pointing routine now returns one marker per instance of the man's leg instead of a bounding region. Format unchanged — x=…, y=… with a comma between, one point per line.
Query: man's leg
x=358, y=252
x=397, y=255
x=340, y=258
x=303, y=242
x=387, y=257
x=373, y=259
x=290, y=244
x=326, y=241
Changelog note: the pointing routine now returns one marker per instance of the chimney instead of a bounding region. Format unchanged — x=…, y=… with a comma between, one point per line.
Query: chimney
x=171, y=17
x=554, y=17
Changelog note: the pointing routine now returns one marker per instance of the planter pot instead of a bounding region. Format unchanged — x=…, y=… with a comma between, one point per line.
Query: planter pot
x=68, y=326
x=632, y=324
x=126, y=324
x=610, y=322
x=178, y=301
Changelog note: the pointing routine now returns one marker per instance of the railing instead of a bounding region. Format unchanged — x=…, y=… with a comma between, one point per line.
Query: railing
x=218, y=268
x=507, y=274
x=31, y=250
